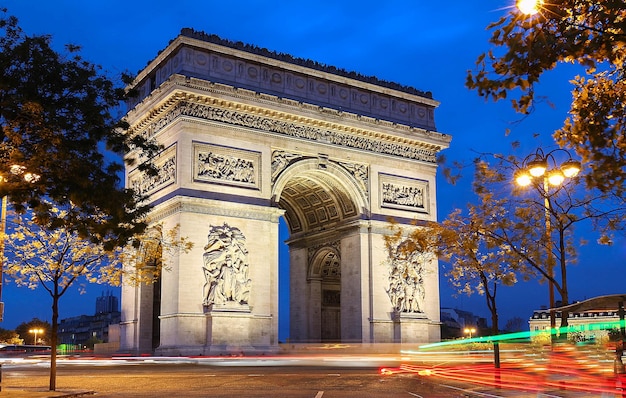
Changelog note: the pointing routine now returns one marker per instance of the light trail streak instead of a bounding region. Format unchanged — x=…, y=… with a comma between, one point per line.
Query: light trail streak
x=562, y=369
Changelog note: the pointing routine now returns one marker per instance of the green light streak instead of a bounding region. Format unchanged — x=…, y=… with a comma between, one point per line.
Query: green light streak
x=606, y=325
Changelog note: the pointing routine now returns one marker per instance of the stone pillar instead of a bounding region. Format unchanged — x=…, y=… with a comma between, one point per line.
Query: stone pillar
x=136, y=326
x=315, y=309
x=299, y=295
x=352, y=281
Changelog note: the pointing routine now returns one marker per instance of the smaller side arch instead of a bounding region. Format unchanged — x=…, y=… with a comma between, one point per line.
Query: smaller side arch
x=325, y=264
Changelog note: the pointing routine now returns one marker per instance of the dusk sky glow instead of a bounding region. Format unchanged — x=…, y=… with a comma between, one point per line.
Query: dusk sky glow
x=426, y=45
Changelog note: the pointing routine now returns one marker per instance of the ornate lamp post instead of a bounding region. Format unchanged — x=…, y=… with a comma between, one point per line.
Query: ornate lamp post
x=544, y=168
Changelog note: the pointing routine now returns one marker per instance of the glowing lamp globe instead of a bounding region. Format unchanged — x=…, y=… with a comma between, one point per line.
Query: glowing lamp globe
x=529, y=7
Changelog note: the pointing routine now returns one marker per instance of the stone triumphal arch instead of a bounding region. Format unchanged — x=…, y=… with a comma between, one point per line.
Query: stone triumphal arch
x=251, y=136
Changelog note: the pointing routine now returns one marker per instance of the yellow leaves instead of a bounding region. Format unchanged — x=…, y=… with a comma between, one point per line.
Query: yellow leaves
x=149, y=254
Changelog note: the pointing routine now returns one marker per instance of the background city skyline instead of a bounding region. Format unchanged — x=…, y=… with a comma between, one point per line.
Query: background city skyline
x=419, y=44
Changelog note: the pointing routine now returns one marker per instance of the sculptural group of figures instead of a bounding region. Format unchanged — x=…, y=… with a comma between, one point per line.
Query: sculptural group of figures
x=222, y=167
x=403, y=196
x=226, y=269
x=406, y=283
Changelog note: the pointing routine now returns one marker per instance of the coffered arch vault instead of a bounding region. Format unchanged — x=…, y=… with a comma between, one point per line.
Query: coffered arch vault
x=317, y=196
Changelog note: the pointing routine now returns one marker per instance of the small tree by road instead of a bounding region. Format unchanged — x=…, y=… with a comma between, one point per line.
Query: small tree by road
x=55, y=259
x=58, y=125
x=476, y=263
x=522, y=229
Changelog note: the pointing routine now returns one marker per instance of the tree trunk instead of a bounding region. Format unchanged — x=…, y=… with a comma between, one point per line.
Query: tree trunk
x=53, y=342
x=496, y=344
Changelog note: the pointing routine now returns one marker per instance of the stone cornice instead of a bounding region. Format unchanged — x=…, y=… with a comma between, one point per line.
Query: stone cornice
x=207, y=206
x=195, y=98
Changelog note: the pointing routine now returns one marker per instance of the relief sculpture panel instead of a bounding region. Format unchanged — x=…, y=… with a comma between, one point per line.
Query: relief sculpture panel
x=224, y=165
x=226, y=267
x=403, y=193
x=406, y=280
x=165, y=164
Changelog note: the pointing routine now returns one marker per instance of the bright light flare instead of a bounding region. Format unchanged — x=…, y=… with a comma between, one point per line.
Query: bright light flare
x=522, y=178
x=529, y=7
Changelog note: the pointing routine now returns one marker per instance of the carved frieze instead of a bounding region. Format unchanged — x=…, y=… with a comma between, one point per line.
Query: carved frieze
x=403, y=193
x=225, y=165
x=165, y=164
x=290, y=129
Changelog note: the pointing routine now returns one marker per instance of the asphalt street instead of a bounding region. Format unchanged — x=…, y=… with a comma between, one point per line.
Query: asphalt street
x=149, y=378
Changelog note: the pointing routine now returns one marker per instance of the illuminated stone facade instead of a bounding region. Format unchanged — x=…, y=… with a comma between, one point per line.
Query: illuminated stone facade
x=249, y=137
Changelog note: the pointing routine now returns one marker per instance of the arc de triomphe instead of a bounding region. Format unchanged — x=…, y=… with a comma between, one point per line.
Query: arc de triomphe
x=250, y=136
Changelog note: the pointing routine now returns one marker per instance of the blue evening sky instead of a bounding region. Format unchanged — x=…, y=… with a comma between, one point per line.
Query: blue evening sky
x=425, y=44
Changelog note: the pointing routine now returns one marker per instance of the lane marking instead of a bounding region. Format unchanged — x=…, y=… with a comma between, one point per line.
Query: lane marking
x=415, y=395
x=482, y=394
x=319, y=394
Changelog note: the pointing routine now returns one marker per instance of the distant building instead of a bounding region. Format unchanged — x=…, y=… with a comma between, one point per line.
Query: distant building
x=582, y=326
x=107, y=303
x=454, y=321
x=82, y=329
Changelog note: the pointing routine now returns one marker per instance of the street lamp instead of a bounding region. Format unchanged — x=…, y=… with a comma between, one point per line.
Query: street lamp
x=544, y=168
x=529, y=7
x=470, y=331
x=36, y=331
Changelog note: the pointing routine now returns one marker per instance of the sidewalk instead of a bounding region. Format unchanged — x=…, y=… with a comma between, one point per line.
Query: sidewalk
x=8, y=392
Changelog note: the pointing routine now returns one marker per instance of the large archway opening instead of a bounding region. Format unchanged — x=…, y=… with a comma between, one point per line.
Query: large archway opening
x=318, y=205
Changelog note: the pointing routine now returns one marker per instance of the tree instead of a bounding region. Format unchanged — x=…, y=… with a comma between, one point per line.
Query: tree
x=92, y=341
x=516, y=324
x=56, y=258
x=522, y=228
x=10, y=337
x=24, y=328
x=478, y=263
x=589, y=33
x=56, y=113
